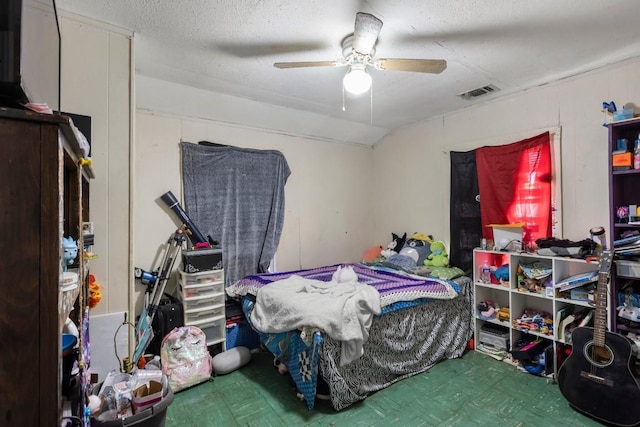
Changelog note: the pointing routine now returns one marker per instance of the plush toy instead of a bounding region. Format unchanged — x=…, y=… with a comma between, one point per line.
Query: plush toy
x=438, y=256
x=345, y=275
x=395, y=246
x=419, y=239
x=487, y=309
x=371, y=253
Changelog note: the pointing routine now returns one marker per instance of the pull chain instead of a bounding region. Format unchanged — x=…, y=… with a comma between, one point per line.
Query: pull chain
x=371, y=104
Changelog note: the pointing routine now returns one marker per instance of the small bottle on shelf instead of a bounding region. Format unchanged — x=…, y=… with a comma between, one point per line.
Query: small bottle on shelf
x=485, y=273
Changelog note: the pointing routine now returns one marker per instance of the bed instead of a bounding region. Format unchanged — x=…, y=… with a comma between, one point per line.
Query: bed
x=419, y=322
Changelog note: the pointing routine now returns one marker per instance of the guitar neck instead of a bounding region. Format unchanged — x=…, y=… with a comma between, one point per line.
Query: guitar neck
x=600, y=318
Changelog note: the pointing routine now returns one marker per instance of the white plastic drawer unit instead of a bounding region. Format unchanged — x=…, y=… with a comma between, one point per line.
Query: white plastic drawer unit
x=213, y=328
x=212, y=276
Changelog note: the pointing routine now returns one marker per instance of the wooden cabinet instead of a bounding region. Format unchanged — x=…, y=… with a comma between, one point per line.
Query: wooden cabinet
x=41, y=199
x=499, y=330
x=624, y=192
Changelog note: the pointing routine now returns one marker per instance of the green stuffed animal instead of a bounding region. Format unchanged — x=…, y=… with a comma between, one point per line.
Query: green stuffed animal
x=438, y=256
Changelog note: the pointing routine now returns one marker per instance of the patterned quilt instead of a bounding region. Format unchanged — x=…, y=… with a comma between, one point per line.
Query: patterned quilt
x=301, y=351
x=392, y=287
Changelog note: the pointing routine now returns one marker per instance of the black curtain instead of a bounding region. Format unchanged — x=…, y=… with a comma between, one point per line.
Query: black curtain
x=466, y=226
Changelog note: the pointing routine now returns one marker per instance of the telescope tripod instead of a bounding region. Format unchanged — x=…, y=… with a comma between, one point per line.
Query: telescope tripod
x=155, y=290
x=154, y=293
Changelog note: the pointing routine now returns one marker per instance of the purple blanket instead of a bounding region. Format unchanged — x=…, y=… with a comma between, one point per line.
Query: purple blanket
x=392, y=287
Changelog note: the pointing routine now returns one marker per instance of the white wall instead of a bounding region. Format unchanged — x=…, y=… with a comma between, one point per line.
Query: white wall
x=341, y=198
x=96, y=81
x=415, y=159
x=328, y=195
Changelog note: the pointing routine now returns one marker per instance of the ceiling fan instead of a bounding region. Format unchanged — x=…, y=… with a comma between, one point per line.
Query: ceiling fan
x=358, y=51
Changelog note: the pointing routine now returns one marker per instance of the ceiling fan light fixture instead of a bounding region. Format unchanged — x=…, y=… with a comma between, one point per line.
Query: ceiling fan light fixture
x=357, y=81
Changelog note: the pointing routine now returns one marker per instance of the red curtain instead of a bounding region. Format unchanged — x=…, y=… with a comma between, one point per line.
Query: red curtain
x=514, y=182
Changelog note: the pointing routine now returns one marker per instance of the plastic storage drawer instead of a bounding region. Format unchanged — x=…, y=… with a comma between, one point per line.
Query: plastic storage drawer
x=202, y=291
x=198, y=315
x=206, y=302
x=627, y=268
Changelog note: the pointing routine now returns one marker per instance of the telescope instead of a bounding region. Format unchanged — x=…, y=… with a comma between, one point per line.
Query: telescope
x=197, y=238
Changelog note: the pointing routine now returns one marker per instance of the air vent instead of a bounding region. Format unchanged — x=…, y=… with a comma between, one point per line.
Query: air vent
x=474, y=93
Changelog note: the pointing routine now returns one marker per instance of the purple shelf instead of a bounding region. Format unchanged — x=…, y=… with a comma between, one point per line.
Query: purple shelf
x=623, y=191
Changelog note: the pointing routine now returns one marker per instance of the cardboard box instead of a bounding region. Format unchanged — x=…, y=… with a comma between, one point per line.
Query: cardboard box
x=197, y=260
x=508, y=236
x=584, y=293
x=622, y=159
x=146, y=395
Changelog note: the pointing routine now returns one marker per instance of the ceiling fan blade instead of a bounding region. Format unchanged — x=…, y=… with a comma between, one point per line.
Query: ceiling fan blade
x=365, y=33
x=309, y=64
x=254, y=50
x=433, y=66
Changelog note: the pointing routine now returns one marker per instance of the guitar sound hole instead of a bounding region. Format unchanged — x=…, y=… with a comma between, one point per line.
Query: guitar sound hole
x=598, y=356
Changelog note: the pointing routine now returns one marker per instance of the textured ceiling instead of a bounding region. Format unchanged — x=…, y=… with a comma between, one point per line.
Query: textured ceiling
x=229, y=46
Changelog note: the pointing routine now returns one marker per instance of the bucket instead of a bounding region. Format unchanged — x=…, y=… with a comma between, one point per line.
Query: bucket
x=152, y=416
x=69, y=357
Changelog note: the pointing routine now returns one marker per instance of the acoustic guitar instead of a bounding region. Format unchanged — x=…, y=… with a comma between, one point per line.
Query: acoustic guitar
x=598, y=377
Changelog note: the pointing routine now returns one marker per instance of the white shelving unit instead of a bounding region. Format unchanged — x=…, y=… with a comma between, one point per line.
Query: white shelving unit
x=508, y=294
x=202, y=295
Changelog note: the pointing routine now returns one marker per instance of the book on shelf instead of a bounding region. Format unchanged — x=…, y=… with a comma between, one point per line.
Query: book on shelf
x=586, y=318
x=561, y=314
x=577, y=280
x=631, y=240
x=564, y=324
x=627, y=250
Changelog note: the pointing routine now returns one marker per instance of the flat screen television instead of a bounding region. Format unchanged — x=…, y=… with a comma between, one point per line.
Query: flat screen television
x=29, y=53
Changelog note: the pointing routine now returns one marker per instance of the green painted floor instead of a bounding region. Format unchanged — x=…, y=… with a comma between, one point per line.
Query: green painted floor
x=474, y=390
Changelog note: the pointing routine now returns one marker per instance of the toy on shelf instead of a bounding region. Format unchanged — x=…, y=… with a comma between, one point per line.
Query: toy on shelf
x=502, y=275
x=503, y=314
x=70, y=248
x=629, y=315
x=608, y=108
x=487, y=310
x=95, y=293
x=85, y=162
x=535, y=321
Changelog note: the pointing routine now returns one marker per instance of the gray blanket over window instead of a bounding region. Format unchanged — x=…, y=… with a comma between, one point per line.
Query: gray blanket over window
x=236, y=196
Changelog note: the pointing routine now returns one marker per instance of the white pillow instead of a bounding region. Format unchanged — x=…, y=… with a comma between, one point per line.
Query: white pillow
x=230, y=360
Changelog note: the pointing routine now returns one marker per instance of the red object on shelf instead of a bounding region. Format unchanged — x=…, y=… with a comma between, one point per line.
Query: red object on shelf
x=471, y=345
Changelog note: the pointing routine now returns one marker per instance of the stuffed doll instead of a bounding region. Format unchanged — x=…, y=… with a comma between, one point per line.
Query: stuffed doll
x=394, y=247
x=419, y=239
x=438, y=256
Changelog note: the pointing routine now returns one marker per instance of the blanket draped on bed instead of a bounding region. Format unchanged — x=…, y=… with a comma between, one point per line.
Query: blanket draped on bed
x=344, y=311
x=423, y=320
x=236, y=196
